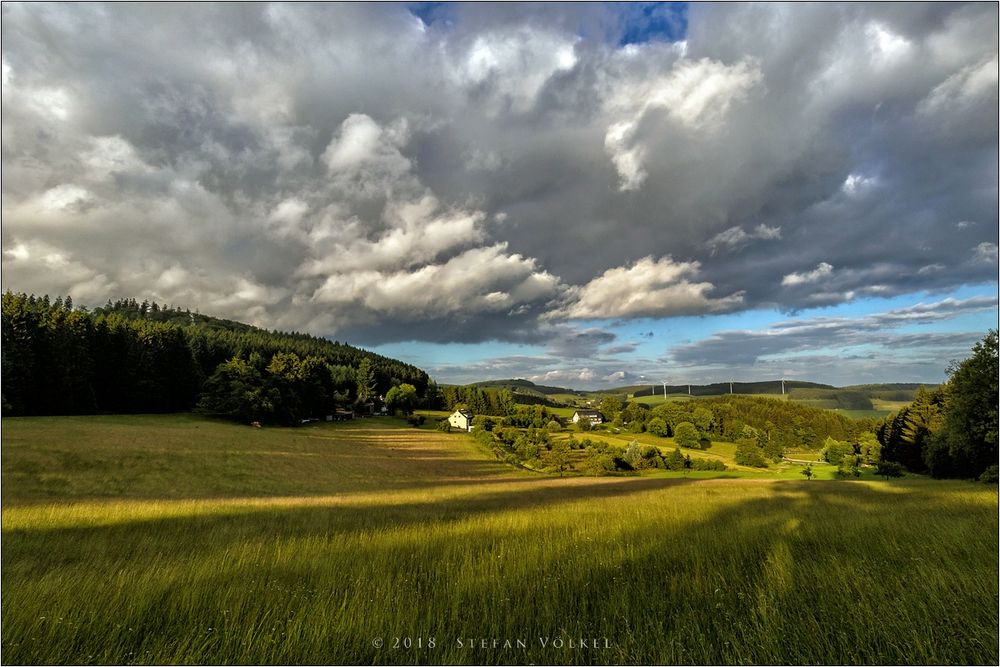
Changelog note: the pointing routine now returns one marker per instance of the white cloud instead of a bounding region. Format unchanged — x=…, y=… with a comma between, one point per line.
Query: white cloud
x=971, y=84
x=735, y=238
x=856, y=184
x=513, y=65
x=654, y=288
x=697, y=95
x=478, y=280
x=364, y=159
x=887, y=47
x=985, y=252
x=821, y=271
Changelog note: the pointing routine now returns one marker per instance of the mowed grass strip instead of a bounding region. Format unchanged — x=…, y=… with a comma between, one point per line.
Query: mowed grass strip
x=315, y=568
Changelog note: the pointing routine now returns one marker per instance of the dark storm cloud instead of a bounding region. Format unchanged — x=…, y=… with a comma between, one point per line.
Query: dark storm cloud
x=482, y=172
x=580, y=344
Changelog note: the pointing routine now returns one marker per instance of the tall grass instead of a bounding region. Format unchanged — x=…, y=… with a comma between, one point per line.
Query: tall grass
x=349, y=550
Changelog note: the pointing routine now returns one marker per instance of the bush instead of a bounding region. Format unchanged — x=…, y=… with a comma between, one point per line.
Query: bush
x=599, y=463
x=443, y=425
x=989, y=475
x=686, y=435
x=553, y=426
x=748, y=453
x=416, y=420
x=889, y=469
x=526, y=450
x=657, y=426
x=707, y=464
x=674, y=460
x=834, y=451
x=483, y=437
x=850, y=466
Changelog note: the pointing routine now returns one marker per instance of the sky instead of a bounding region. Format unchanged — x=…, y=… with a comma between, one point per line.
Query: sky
x=586, y=195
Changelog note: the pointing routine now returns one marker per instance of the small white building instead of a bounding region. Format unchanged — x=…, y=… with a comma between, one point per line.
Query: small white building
x=593, y=416
x=461, y=419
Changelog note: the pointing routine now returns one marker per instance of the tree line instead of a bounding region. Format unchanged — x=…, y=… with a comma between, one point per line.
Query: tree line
x=952, y=430
x=130, y=357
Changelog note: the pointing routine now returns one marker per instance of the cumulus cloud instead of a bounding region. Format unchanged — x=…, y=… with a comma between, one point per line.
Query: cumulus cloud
x=332, y=168
x=696, y=95
x=651, y=288
x=821, y=271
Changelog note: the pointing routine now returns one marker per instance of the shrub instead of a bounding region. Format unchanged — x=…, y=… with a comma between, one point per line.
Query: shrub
x=657, y=426
x=553, y=426
x=526, y=450
x=483, y=437
x=416, y=420
x=989, y=475
x=850, y=466
x=834, y=451
x=443, y=425
x=707, y=464
x=599, y=463
x=686, y=435
x=889, y=469
x=748, y=453
x=633, y=454
x=674, y=460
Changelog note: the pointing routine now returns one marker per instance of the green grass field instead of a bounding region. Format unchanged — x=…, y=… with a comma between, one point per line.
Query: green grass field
x=175, y=539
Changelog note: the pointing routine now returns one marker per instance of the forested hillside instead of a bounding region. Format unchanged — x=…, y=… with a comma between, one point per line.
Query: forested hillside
x=951, y=431
x=131, y=357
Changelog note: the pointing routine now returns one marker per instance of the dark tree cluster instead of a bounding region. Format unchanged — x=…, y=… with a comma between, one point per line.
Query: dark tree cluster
x=951, y=431
x=130, y=357
x=495, y=402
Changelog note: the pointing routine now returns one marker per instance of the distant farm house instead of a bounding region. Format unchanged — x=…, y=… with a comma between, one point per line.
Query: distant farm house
x=461, y=419
x=593, y=416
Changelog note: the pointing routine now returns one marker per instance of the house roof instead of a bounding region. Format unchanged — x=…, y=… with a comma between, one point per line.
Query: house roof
x=465, y=413
x=589, y=413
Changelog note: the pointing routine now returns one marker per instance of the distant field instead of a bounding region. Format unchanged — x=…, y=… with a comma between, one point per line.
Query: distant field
x=659, y=399
x=889, y=406
x=175, y=539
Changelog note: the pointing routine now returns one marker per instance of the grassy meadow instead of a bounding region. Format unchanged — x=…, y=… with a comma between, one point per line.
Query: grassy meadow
x=176, y=539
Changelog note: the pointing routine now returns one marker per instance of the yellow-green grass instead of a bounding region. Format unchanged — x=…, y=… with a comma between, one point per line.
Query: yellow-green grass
x=659, y=399
x=173, y=539
x=726, y=452
x=889, y=406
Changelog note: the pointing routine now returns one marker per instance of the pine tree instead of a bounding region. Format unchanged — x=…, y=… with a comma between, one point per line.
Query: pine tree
x=365, y=381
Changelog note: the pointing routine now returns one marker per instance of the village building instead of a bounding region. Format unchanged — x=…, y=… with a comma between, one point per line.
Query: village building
x=593, y=416
x=461, y=419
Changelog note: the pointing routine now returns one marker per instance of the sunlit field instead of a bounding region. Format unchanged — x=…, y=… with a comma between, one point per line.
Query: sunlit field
x=175, y=539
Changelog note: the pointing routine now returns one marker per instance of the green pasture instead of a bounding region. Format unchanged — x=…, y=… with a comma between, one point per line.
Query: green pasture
x=175, y=539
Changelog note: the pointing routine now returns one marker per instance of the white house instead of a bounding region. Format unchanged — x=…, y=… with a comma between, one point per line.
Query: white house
x=593, y=416
x=461, y=419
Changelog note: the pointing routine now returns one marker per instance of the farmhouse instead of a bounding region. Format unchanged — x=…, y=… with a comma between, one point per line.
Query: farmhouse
x=594, y=416
x=461, y=419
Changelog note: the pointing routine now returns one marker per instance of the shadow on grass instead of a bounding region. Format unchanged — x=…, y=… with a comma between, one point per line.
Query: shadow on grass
x=810, y=573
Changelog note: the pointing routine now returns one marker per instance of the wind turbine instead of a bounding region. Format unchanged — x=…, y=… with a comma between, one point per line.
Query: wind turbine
x=664, y=389
x=730, y=387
